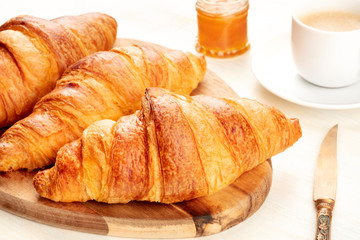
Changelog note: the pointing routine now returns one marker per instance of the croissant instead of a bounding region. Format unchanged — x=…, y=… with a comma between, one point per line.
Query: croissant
x=176, y=148
x=104, y=85
x=35, y=52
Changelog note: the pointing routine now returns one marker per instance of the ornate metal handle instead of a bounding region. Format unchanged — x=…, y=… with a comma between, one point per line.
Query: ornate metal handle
x=324, y=214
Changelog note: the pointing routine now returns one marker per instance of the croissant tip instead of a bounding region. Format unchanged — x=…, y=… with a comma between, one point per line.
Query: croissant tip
x=2, y=169
x=296, y=128
x=40, y=183
x=5, y=165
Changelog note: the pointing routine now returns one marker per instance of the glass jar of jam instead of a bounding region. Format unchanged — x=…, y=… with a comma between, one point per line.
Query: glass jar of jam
x=222, y=27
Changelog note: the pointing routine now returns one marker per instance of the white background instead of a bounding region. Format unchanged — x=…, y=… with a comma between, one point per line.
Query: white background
x=288, y=212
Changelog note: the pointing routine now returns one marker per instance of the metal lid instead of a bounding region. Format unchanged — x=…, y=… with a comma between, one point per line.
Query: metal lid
x=221, y=7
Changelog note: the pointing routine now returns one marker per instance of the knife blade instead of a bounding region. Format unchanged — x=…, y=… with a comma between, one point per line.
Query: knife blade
x=325, y=182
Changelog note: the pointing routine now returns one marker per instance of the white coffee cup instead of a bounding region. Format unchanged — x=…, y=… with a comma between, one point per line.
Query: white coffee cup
x=326, y=58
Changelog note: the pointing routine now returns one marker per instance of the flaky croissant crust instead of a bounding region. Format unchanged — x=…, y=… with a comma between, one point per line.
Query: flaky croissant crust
x=176, y=148
x=34, y=52
x=104, y=85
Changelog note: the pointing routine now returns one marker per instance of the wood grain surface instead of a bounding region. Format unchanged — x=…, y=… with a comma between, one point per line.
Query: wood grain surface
x=199, y=217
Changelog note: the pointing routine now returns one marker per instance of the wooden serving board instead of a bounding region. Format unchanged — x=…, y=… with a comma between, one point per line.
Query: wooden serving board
x=198, y=217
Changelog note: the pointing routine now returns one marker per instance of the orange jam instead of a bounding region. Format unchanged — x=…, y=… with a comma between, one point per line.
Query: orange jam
x=222, y=27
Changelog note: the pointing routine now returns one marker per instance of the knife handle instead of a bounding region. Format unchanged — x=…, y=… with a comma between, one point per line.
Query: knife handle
x=323, y=219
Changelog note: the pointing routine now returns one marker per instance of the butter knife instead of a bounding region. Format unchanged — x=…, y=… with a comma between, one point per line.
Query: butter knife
x=325, y=184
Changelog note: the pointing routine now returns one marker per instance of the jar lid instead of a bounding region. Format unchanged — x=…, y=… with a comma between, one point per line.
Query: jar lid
x=221, y=7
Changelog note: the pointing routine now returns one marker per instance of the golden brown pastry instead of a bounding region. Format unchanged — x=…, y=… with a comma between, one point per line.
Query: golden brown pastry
x=176, y=148
x=105, y=85
x=35, y=52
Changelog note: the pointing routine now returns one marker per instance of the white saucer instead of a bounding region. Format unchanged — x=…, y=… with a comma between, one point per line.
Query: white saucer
x=274, y=68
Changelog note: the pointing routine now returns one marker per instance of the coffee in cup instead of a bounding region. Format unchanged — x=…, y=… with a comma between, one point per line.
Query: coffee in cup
x=333, y=21
x=325, y=41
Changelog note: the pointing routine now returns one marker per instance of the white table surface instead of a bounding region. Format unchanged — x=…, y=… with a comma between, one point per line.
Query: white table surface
x=288, y=212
